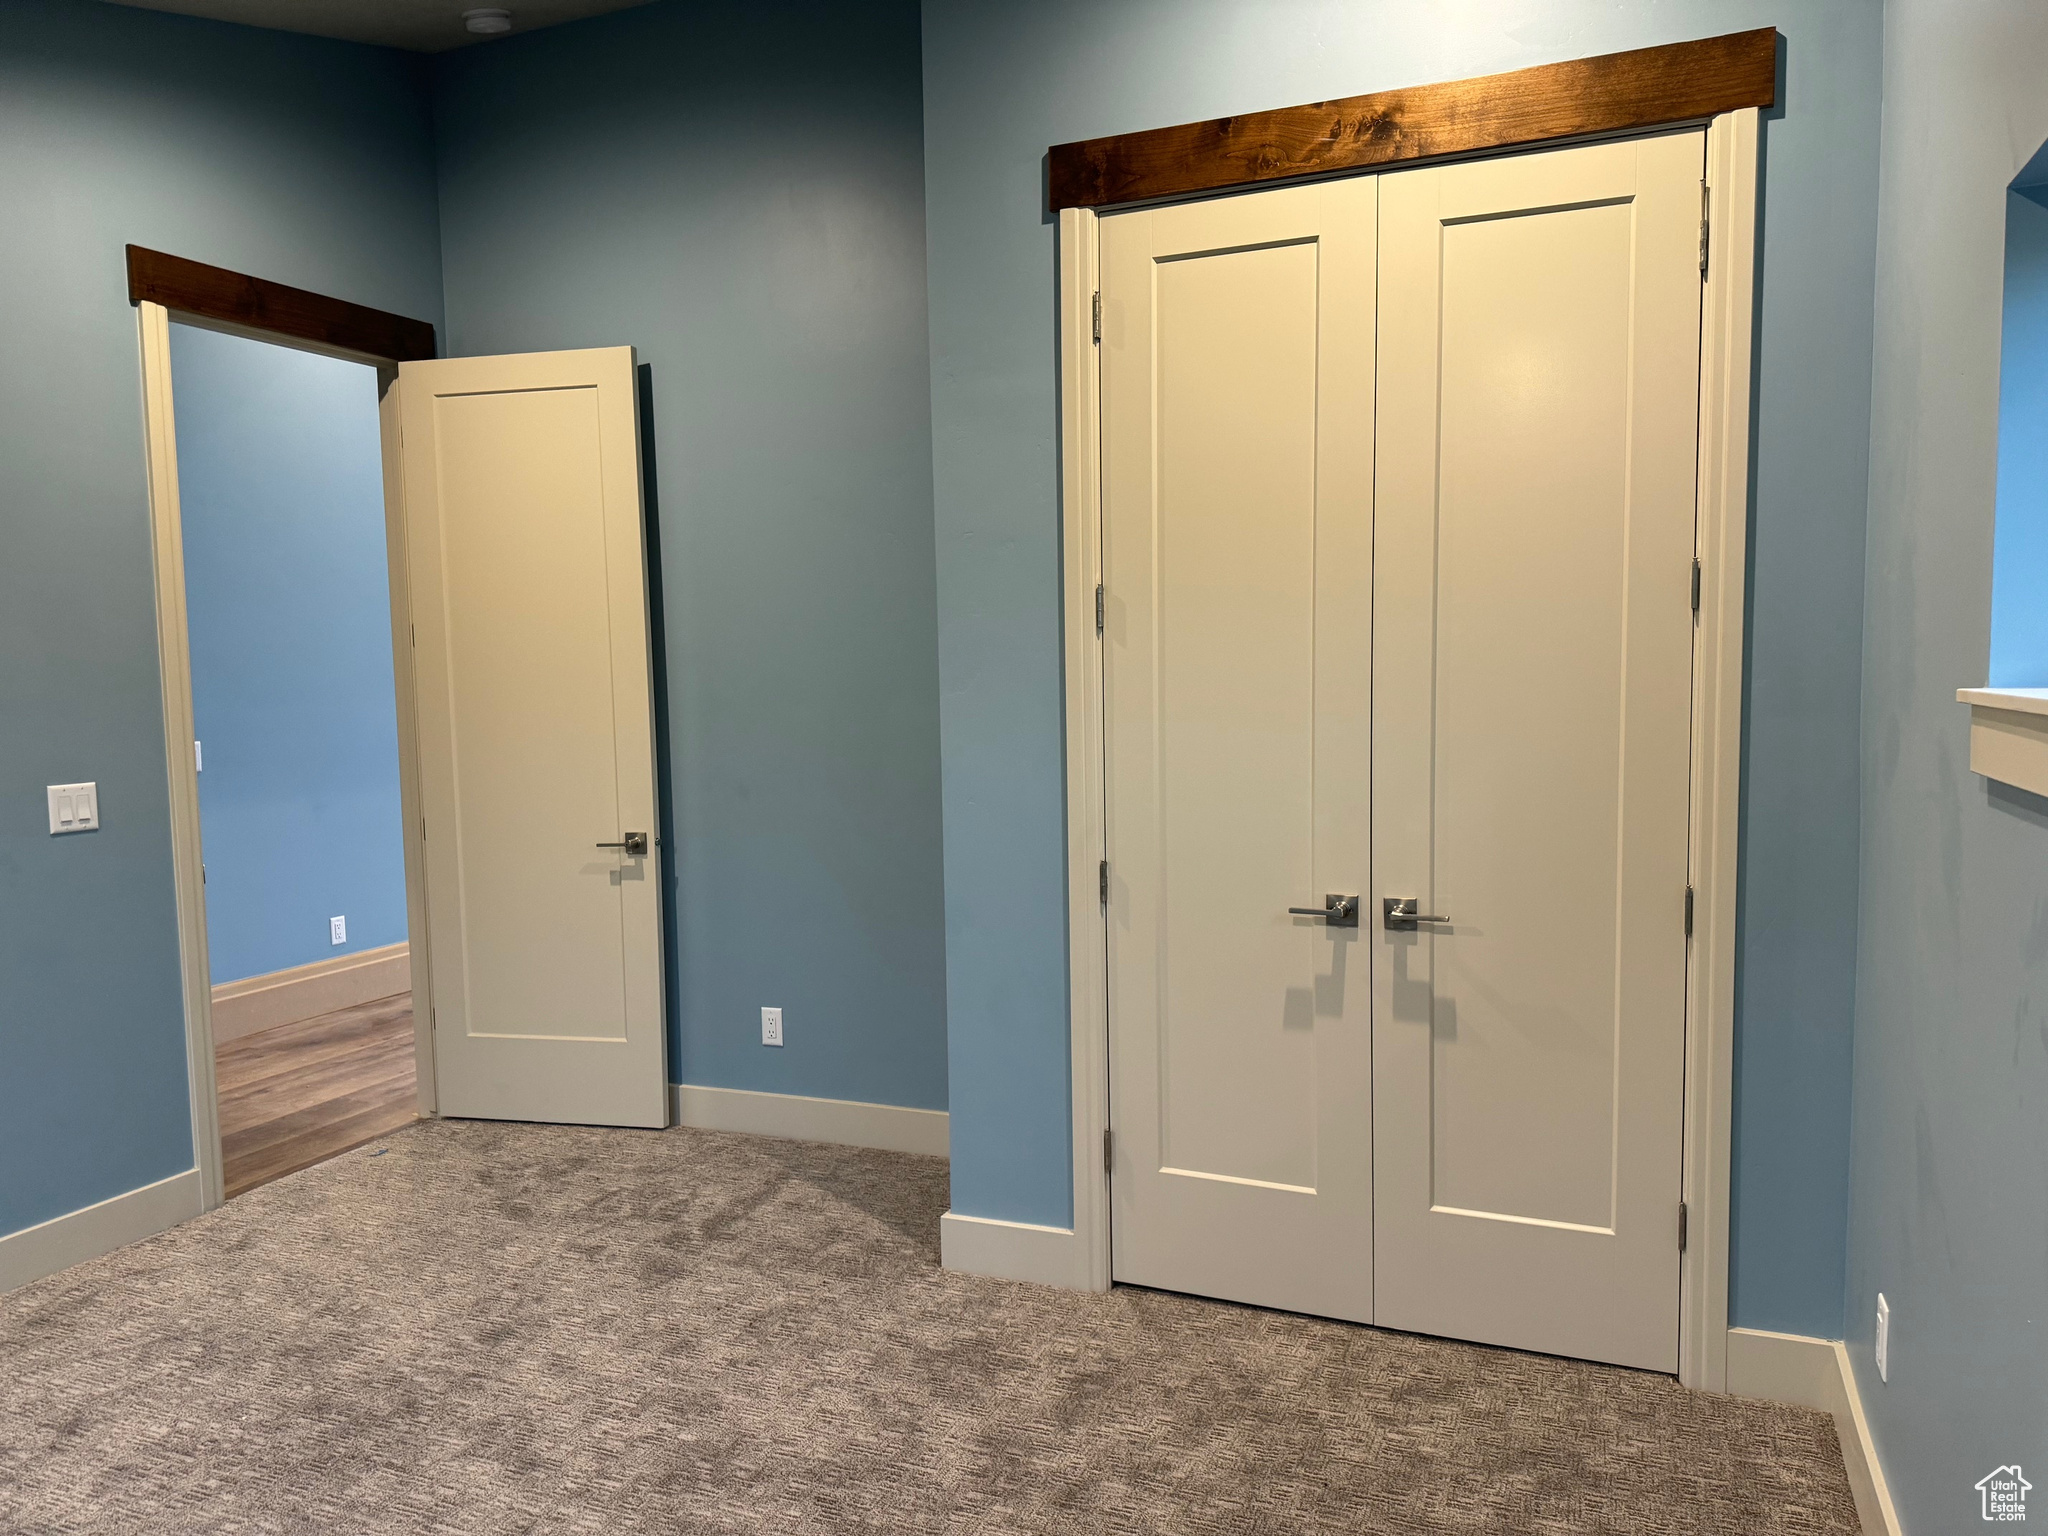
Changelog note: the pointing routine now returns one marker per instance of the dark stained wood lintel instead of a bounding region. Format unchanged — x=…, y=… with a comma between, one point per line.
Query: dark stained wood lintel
x=255, y=303
x=1612, y=93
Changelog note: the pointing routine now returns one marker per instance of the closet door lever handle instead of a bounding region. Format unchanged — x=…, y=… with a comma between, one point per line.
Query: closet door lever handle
x=1338, y=911
x=1399, y=913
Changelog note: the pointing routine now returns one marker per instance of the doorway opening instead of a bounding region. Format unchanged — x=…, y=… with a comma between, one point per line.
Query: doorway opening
x=295, y=749
x=265, y=367
x=516, y=687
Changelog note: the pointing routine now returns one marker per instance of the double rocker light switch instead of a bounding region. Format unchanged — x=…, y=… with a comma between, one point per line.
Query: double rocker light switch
x=74, y=808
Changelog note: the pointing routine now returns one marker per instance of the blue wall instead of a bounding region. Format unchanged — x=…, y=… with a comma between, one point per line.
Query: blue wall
x=1949, y=1215
x=302, y=160
x=1003, y=81
x=2019, y=614
x=281, y=486
x=737, y=192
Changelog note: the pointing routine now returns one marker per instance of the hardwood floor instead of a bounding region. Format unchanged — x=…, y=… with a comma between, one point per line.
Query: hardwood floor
x=298, y=1094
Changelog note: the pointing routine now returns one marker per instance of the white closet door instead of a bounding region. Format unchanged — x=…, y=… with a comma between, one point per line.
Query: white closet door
x=1237, y=466
x=528, y=580
x=1539, y=373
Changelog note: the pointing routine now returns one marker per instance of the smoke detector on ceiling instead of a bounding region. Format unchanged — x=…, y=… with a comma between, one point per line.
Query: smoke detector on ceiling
x=488, y=22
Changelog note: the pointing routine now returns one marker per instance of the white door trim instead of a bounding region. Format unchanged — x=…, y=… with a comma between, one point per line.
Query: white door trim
x=174, y=663
x=1726, y=321
x=1081, y=571
x=174, y=666
x=1723, y=525
x=411, y=817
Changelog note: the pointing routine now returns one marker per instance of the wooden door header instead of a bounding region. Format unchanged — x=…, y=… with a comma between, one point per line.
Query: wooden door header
x=256, y=303
x=1613, y=93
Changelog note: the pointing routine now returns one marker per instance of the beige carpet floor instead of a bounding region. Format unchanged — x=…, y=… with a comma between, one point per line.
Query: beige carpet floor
x=496, y=1328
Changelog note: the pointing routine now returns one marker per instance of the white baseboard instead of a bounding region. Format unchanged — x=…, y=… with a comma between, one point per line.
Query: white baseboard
x=85, y=1234
x=1014, y=1250
x=307, y=991
x=1815, y=1373
x=847, y=1122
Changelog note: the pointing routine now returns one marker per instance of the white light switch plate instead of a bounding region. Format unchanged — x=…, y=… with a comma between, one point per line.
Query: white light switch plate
x=1883, y=1340
x=771, y=1026
x=74, y=808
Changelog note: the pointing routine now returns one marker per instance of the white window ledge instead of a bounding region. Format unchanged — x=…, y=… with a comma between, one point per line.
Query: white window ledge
x=2009, y=735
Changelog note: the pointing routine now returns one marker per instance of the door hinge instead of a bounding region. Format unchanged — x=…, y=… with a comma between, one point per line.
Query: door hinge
x=1108, y=1150
x=1681, y=1226
x=1098, y=317
x=412, y=633
x=1695, y=583
x=1705, y=204
x=1102, y=882
x=1688, y=911
x=1098, y=607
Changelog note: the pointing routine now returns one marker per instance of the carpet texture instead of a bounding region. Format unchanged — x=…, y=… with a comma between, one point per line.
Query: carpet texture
x=511, y=1328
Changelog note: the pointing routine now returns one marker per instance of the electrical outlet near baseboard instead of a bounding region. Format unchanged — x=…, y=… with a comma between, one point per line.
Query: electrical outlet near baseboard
x=337, y=930
x=1883, y=1349
x=771, y=1026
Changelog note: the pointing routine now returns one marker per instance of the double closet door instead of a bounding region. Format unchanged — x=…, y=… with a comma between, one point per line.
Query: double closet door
x=1398, y=528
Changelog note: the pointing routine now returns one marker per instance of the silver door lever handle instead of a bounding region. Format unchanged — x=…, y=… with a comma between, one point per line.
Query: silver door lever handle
x=1399, y=912
x=1337, y=911
x=635, y=843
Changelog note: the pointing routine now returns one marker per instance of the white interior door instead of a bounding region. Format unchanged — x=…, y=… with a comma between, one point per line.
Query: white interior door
x=1539, y=373
x=1237, y=358
x=527, y=575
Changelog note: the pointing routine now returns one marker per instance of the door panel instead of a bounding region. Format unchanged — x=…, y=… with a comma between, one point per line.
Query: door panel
x=528, y=582
x=1539, y=359
x=1237, y=375
x=1235, y=626
x=1533, y=388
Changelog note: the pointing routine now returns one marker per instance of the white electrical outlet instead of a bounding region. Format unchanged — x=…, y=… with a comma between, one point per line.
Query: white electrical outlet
x=74, y=808
x=771, y=1026
x=337, y=930
x=198, y=756
x=1883, y=1350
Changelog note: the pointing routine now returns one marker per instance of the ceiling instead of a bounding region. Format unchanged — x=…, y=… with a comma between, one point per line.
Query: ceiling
x=425, y=26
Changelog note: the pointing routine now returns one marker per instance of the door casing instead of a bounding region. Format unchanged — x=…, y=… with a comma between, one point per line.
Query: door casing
x=1724, y=451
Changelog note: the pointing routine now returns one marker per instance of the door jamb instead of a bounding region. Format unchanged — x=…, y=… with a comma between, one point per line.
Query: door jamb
x=1087, y=845
x=167, y=553
x=1721, y=534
